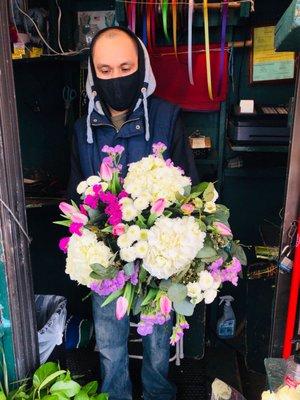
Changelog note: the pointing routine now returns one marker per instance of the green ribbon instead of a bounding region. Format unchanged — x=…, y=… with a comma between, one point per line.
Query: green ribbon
x=164, y=9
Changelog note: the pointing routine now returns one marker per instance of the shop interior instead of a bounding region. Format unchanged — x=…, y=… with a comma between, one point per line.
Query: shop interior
x=246, y=154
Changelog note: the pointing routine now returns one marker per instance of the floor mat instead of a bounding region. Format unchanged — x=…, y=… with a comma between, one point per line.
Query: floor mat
x=189, y=377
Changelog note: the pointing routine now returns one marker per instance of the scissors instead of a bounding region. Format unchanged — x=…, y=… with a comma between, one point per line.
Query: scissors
x=69, y=95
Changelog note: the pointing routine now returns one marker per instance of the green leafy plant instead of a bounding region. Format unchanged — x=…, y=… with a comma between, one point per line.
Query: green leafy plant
x=49, y=382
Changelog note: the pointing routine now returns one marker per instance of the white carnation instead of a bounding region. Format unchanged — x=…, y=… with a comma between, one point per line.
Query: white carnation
x=133, y=233
x=141, y=248
x=144, y=234
x=81, y=188
x=82, y=252
x=151, y=179
x=93, y=180
x=210, y=295
x=173, y=244
x=129, y=213
x=124, y=241
x=194, y=292
x=206, y=280
x=128, y=254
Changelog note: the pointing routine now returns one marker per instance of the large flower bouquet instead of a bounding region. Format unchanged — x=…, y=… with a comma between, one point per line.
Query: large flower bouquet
x=151, y=241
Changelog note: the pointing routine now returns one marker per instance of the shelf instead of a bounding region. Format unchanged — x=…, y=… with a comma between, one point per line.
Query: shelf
x=52, y=58
x=275, y=172
x=37, y=202
x=261, y=149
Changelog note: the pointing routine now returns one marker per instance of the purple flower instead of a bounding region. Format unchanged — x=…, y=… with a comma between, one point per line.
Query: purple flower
x=108, y=286
x=158, y=148
x=144, y=329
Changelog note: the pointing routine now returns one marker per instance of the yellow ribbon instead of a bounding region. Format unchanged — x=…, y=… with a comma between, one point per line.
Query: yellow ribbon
x=174, y=13
x=207, y=52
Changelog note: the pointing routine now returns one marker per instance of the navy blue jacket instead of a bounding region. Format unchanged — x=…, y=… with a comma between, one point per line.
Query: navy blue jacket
x=165, y=126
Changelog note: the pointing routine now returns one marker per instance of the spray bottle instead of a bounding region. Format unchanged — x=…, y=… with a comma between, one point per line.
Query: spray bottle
x=227, y=323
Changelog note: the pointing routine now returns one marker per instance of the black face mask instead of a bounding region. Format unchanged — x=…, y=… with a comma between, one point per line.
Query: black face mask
x=119, y=93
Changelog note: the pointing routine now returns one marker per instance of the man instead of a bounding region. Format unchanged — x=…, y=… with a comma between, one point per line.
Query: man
x=122, y=111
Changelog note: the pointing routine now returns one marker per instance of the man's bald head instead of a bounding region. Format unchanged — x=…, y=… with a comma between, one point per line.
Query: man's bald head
x=114, y=54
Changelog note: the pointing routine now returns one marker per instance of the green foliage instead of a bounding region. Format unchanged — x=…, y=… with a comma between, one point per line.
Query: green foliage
x=99, y=272
x=184, y=307
x=177, y=292
x=49, y=382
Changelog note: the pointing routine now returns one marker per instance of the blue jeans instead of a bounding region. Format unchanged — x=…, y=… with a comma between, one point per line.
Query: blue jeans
x=112, y=337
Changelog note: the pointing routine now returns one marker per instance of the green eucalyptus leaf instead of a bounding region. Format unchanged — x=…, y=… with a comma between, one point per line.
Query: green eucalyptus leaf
x=129, y=268
x=177, y=292
x=43, y=372
x=184, y=307
x=238, y=252
x=102, y=272
x=165, y=284
x=69, y=388
x=206, y=252
x=187, y=190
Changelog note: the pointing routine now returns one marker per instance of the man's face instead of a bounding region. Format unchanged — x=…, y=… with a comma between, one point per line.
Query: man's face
x=115, y=55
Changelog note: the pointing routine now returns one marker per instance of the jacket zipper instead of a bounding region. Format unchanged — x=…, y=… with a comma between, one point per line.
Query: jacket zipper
x=112, y=126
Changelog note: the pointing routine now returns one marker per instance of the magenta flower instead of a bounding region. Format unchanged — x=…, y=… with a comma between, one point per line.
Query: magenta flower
x=187, y=208
x=118, y=229
x=97, y=188
x=222, y=229
x=67, y=209
x=91, y=201
x=106, y=169
x=79, y=218
x=76, y=228
x=122, y=194
x=83, y=210
x=158, y=148
x=121, y=307
x=158, y=207
x=165, y=305
x=63, y=244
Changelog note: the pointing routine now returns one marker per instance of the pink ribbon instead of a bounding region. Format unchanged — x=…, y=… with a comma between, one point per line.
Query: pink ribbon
x=190, y=41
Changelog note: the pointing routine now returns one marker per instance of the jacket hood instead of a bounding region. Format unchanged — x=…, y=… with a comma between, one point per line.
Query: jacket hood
x=148, y=88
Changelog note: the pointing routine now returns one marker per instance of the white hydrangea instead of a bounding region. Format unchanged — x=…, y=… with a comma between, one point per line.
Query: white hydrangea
x=151, y=179
x=173, y=244
x=82, y=252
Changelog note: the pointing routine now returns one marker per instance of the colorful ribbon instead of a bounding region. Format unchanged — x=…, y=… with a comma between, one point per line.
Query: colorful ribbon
x=174, y=17
x=164, y=9
x=144, y=28
x=133, y=15
x=207, y=51
x=150, y=24
x=190, y=40
x=223, y=41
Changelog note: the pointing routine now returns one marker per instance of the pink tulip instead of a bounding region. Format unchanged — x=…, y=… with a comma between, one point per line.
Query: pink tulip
x=67, y=209
x=158, y=207
x=121, y=307
x=106, y=169
x=118, y=229
x=187, y=208
x=63, y=244
x=222, y=229
x=79, y=218
x=165, y=305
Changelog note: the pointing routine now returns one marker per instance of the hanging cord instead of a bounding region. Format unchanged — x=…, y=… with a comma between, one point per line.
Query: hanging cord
x=207, y=53
x=16, y=220
x=147, y=135
x=44, y=40
x=58, y=27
